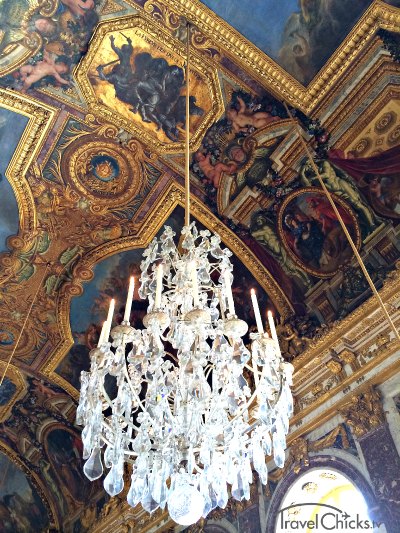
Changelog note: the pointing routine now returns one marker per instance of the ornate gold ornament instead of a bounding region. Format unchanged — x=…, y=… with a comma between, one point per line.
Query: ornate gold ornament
x=334, y=366
x=15, y=376
x=364, y=413
x=103, y=171
x=300, y=448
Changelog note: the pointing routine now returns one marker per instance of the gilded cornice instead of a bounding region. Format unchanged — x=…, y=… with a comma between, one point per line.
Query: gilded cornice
x=117, y=516
x=389, y=293
x=369, y=64
x=270, y=74
x=41, y=118
x=344, y=384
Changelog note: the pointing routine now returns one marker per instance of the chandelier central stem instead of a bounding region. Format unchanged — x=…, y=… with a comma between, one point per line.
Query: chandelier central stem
x=187, y=132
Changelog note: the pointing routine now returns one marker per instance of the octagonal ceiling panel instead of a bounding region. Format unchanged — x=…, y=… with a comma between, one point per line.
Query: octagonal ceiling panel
x=133, y=76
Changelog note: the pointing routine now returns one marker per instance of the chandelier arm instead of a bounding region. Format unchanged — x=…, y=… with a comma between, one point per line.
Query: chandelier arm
x=252, y=370
x=208, y=371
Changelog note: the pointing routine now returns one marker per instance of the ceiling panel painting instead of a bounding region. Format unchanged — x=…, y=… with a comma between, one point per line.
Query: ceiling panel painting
x=12, y=126
x=134, y=73
x=300, y=35
x=20, y=504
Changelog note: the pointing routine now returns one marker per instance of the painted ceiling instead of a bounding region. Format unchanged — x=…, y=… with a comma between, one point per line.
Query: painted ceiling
x=91, y=168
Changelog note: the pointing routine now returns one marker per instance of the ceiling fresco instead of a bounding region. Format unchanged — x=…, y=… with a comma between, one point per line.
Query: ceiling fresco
x=91, y=168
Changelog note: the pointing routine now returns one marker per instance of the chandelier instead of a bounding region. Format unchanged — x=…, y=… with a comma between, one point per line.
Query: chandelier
x=195, y=410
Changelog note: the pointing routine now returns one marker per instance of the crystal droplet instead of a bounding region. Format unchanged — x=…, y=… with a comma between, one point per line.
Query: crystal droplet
x=114, y=482
x=93, y=467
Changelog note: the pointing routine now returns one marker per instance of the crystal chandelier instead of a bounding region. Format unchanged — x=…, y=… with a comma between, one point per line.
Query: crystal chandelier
x=195, y=410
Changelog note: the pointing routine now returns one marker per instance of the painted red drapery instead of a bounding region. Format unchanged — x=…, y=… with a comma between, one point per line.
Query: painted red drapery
x=387, y=163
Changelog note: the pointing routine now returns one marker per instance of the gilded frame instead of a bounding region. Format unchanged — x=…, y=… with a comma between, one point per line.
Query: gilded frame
x=41, y=118
x=36, y=482
x=281, y=232
x=16, y=377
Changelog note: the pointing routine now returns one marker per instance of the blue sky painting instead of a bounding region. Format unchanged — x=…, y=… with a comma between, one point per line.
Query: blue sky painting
x=12, y=126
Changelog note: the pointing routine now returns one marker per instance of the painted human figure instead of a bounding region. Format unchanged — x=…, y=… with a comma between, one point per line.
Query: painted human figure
x=385, y=190
x=79, y=7
x=308, y=240
x=31, y=74
x=243, y=119
x=321, y=210
x=213, y=172
x=264, y=232
x=337, y=182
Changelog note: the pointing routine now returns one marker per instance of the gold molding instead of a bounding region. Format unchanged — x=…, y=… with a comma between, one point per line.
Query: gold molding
x=172, y=197
x=391, y=92
x=16, y=377
x=41, y=118
x=148, y=25
x=268, y=72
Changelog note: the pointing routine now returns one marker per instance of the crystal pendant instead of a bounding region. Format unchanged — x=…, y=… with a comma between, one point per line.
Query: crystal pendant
x=149, y=504
x=185, y=503
x=114, y=481
x=93, y=467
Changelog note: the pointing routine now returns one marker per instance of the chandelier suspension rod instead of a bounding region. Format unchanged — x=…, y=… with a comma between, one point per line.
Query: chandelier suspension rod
x=28, y=314
x=343, y=225
x=187, y=131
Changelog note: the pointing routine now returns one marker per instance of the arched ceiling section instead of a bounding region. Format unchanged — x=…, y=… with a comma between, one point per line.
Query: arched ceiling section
x=92, y=136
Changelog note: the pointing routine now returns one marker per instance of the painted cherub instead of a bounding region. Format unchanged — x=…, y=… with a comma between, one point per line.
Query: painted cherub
x=31, y=74
x=213, y=172
x=243, y=118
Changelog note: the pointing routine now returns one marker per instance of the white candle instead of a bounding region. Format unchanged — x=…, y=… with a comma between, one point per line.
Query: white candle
x=109, y=320
x=195, y=285
x=272, y=326
x=159, y=274
x=228, y=290
x=128, y=306
x=256, y=311
x=102, y=334
x=273, y=330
